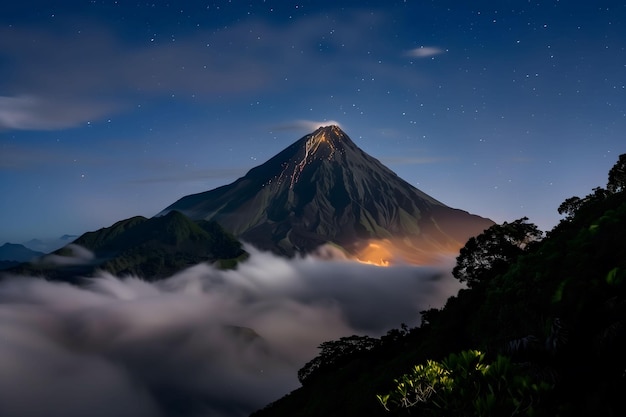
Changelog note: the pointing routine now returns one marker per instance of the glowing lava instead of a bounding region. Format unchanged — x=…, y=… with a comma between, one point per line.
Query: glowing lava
x=311, y=147
x=375, y=254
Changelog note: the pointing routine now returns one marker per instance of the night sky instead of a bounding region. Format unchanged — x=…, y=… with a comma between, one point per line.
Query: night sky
x=111, y=109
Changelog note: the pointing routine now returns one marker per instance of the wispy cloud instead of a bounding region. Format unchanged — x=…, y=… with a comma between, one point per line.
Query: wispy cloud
x=74, y=255
x=55, y=79
x=307, y=125
x=40, y=113
x=424, y=52
x=195, y=175
x=203, y=342
x=17, y=158
x=409, y=160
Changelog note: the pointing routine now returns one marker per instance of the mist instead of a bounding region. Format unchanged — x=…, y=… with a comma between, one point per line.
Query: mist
x=204, y=342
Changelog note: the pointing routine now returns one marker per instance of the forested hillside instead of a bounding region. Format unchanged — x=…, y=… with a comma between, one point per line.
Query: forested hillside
x=152, y=249
x=539, y=331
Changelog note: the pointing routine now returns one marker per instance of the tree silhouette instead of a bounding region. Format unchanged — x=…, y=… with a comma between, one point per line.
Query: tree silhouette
x=491, y=252
x=617, y=175
x=570, y=206
x=334, y=353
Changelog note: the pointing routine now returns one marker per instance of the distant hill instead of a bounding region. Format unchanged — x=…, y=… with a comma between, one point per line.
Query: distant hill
x=150, y=248
x=324, y=189
x=16, y=253
x=49, y=245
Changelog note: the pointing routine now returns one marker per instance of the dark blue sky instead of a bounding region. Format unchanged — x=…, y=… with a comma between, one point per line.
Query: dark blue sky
x=110, y=109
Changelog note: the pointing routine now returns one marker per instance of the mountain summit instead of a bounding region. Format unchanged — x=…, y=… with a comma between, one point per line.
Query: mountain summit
x=324, y=189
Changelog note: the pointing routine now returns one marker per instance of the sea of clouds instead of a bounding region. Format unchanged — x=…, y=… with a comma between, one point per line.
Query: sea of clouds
x=204, y=342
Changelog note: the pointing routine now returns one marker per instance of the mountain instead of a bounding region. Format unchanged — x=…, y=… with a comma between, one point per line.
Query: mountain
x=324, y=189
x=150, y=248
x=49, y=245
x=17, y=253
x=12, y=254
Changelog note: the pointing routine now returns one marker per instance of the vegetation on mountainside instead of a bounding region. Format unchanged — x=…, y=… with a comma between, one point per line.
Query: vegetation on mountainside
x=148, y=248
x=540, y=330
x=466, y=384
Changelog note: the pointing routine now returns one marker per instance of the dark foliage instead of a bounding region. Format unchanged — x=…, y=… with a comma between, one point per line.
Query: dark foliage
x=553, y=311
x=617, y=176
x=334, y=353
x=570, y=206
x=491, y=252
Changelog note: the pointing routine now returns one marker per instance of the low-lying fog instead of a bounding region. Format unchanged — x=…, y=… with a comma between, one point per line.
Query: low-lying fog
x=203, y=342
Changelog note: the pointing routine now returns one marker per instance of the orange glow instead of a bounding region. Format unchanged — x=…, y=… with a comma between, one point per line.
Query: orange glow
x=388, y=252
x=376, y=254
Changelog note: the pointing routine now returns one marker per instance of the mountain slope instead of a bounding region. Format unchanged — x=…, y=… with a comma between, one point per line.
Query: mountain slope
x=324, y=189
x=149, y=248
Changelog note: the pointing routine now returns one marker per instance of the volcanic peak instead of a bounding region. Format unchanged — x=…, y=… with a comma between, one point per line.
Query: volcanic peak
x=326, y=143
x=331, y=134
x=324, y=189
x=326, y=140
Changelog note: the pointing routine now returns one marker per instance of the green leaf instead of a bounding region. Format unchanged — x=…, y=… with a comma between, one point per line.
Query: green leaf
x=613, y=278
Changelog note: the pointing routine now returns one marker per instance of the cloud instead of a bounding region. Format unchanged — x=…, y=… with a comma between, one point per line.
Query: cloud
x=55, y=78
x=72, y=255
x=38, y=113
x=203, y=342
x=194, y=175
x=409, y=160
x=307, y=125
x=424, y=52
x=14, y=157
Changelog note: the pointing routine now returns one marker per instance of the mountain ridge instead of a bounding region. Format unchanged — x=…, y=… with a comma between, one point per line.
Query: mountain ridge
x=149, y=248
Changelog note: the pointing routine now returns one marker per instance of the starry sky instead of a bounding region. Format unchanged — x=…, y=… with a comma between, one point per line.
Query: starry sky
x=111, y=109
